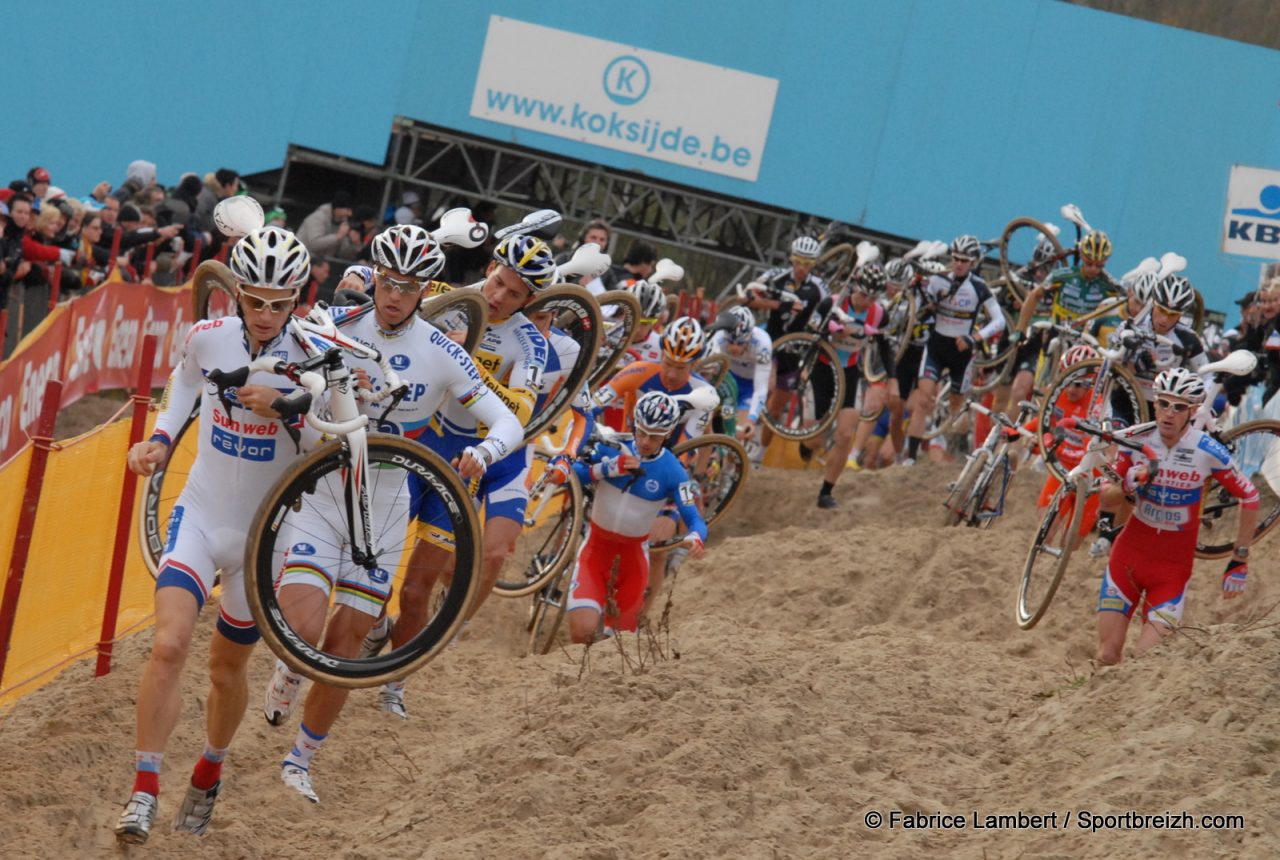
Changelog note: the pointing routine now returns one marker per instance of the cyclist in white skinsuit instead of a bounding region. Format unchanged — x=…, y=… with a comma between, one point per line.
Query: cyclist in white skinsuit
x=436, y=370
x=750, y=352
x=512, y=359
x=243, y=449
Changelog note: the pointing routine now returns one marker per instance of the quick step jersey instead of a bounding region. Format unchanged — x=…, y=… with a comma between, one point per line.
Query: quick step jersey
x=512, y=357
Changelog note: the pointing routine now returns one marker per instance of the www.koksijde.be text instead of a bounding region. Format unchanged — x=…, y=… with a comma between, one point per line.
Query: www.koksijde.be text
x=1070, y=819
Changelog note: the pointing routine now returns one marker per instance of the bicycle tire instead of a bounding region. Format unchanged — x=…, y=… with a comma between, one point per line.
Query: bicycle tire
x=902, y=322
x=1031, y=608
x=159, y=492
x=616, y=336
x=1009, y=268
x=836, y=263
x=1218, y=503
x=978, y=498
x=458, y=306
x=549, y=607
x=578, y=315
x=720, y=487
x=302, y=478
x=553, y=523
x=791, y=423
x=211, y=277
x=957, y=501
x=713, y=368
x=1089, y=367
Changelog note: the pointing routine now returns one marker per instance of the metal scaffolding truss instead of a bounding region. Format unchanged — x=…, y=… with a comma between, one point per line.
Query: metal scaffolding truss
x=423, y=157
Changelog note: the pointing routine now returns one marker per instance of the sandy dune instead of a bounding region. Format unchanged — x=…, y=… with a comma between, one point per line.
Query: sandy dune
x=831, y=664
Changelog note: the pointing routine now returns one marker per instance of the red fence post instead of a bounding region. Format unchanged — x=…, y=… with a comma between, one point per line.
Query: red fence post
x=55, y=286
x=129, y=489
x=195, y=258
x=42, y=442
x=147, y=265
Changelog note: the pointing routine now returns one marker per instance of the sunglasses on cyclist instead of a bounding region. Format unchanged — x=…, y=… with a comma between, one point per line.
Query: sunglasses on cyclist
x=272, y=306
x=804, y=261
x=406, y=286
x=648, y=321
x=1083, y=383
x=1170, y=311
x=1176, y=406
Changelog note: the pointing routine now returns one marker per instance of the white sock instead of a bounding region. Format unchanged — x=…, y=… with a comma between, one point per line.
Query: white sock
x=305, y=745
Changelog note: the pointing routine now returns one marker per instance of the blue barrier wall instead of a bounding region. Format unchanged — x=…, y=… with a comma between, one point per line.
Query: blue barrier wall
x=922, y=117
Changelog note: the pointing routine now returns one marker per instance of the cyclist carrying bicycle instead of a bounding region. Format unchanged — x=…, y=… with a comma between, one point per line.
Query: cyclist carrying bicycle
x=1069, y=445
x=435, y=369
x=750, y=352
x=634, y=481
x=1154, y=553
x=646, y=338
x=243, y=450
x=867, y=363
x=904, y=285
x=1068, y=294
x=957, y=300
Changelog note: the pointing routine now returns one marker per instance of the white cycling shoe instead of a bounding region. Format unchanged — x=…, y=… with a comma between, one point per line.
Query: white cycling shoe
x=391, y=700
x=283, y=693
x=1101, y=548
x=299, y=779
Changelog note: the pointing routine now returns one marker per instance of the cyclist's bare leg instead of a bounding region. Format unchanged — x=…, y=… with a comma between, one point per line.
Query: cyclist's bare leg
x=1153, y=633
x=846, y=424
x=160, y=693
x=925, y=395
x=664, y=528
x=428, y=563
x=228, y=689
x=1023, y=382
x=873, y=403
x=1000, y=398
x=304, y=608
x=897, y=432
x=1112, y=627
x=772, y=402
x=499, y=541
x=584, y=622
x=346, y=632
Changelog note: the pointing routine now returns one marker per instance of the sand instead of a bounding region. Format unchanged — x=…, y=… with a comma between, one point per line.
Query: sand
x=831, y=665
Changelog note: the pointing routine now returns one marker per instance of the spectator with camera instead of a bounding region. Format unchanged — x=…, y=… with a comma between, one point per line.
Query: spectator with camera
x=327, y=228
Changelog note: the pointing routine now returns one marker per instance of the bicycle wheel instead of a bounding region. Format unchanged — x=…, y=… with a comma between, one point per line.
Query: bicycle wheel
x=552, y=530
x=807, y=364
x=957, y=501
x=310, y=514
x=1018, y=244
x=620, y=313
x=458, y=310
x=836, y=263
x=1121, y=384
x=1050, y=551
x=944, y=420
x=901, y=323
x=1255, y=446
x=578, y=315
x=213, y=291
x=162, y=488
x=977, y=504
x=718, y=465
x=549, y=607
x=713, y=368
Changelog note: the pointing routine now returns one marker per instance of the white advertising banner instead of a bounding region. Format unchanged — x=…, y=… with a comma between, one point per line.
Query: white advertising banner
x=625, y=98
x=1252, y=222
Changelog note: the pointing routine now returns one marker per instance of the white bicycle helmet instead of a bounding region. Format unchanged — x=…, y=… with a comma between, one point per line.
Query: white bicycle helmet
x=656, y=412
x=966, y=246
x=683, y=340
x=651, y=297
x=271, y=258
x=1174, y=293
x=899, y=271
x=1181, y=383
x=805, y=247
x=238, y=215
x=742, y=323
x=1144, y=286
x=409, y=250
x=530, y=258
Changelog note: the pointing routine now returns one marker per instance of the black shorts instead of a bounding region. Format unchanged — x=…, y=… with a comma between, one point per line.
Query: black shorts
x=823, y=381
x=1029, y=352
x=943, y=358
x=908, y=370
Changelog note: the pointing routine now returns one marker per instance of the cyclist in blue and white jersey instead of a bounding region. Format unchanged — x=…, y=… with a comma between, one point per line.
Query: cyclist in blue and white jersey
x=949, y=351
x=436, y=370
x=512, y=359
x=243, y=450
x=646, y=339
x=750, y=352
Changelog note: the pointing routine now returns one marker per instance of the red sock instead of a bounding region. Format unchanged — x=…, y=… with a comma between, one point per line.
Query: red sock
x=206, y=774
x=148, y=781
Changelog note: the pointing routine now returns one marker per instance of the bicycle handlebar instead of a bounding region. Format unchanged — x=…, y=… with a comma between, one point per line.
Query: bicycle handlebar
x=1073, y=423
x=1002, y=419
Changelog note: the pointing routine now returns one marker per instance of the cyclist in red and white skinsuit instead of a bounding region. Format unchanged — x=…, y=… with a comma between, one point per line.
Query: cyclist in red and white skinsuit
x=1153, y=555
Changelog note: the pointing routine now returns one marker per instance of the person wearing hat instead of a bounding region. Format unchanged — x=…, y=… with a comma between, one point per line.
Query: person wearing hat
x=276, y=218
x=325, y=229
x=38, y=182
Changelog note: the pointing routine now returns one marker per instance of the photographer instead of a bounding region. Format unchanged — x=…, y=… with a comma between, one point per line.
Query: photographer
x=326, y=229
